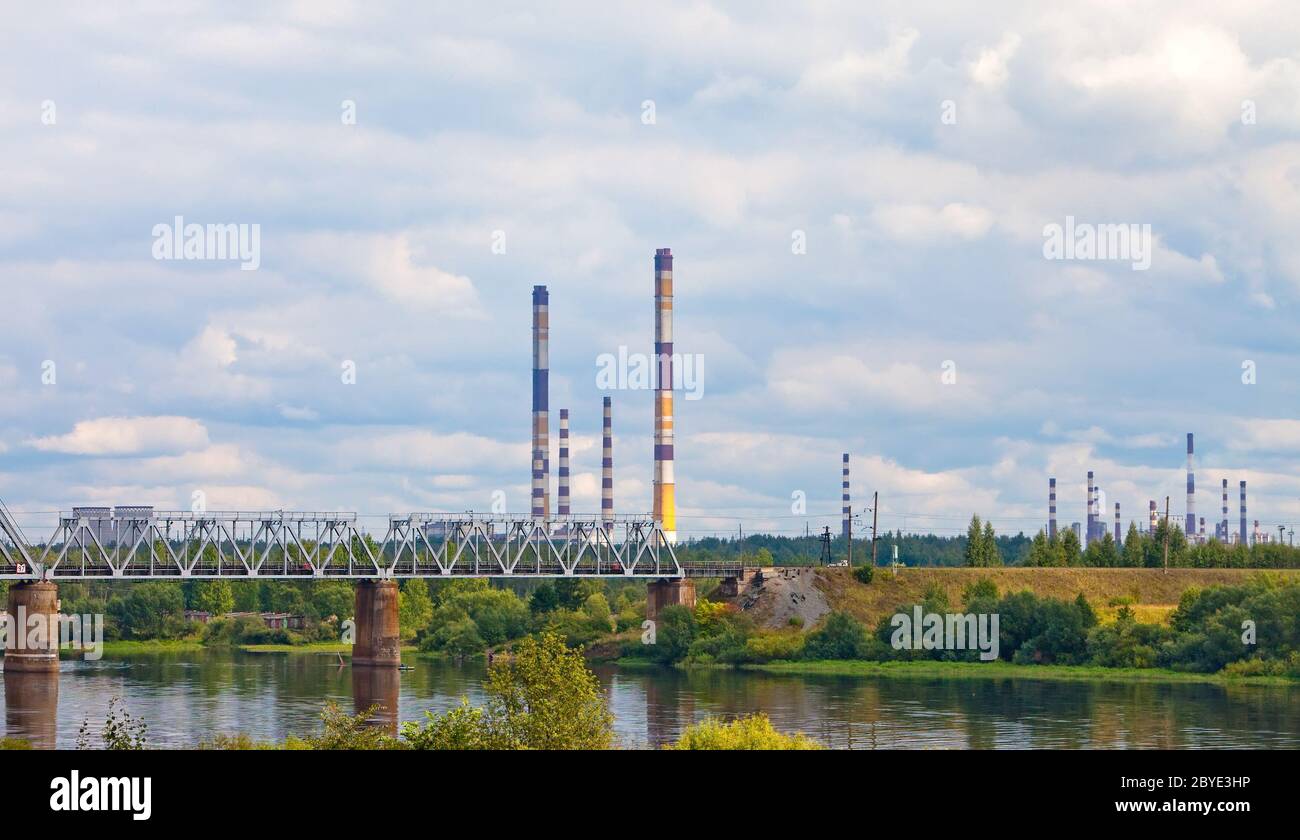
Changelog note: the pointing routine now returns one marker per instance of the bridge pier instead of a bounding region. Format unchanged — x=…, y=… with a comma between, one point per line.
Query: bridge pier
x=378, y=641
x=37, y=597
x=668, y=593
x=377, y=688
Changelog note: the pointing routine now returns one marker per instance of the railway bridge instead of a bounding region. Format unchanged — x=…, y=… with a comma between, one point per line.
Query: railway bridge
x=140, y=543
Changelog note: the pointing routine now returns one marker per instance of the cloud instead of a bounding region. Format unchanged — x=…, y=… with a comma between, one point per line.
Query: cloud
x=127, y=436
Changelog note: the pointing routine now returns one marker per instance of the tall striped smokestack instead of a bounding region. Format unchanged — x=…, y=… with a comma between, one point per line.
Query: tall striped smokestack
x=1151, y=513
x=665, y=505
x=564, y=462
x=1118, y=536
x=607, y=467
x=1202, y=529
x=1087, y=537
x=844, y=498
x=541, y=507
x=1051, y=508
x=1223, y=535
x=1191, y=491
x=1242, y=536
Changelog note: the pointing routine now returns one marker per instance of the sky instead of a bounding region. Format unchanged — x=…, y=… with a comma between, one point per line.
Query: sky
x=856, y=197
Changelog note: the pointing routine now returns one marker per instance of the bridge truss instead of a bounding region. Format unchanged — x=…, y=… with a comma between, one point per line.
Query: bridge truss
x=141, y=543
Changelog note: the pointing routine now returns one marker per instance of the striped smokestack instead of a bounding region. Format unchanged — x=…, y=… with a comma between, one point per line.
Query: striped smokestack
x=1051, y=508
x=1087, y=537
x=607, y=468
x=1151, y=511
x=564, y=462
x=1191, y=490
x=665, y=505
x=844, y=498
x=1241, y=535
x=1118, y=536
x=1202, y=529
x=541, y=507
x=1223, y=531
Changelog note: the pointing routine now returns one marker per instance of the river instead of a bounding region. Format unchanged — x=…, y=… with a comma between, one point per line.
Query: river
x=186, y=697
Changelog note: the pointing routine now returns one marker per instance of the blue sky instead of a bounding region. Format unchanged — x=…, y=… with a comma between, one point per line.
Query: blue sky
x=924, y=245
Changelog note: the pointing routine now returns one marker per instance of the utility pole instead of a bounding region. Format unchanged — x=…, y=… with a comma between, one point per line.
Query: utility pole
x=1281, y=534
x=875, y=517
x=1166, y=535
x=825, y=540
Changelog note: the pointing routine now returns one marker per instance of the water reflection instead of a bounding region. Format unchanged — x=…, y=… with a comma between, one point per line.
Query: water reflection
x=187, y=697
x=31, y=707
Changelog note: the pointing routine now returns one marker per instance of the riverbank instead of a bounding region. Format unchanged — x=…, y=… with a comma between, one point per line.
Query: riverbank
x=1004, y=670
x=127, y=647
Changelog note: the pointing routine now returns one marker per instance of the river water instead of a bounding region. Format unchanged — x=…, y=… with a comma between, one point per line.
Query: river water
x=186, y=697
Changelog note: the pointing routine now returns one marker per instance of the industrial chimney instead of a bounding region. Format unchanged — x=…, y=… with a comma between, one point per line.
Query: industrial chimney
x=1051, y=508
x=607, y=468
x=564, y=462
x=844, y=498
x=665, y=506
x=1223, y=535
x=1118, y=537
x=1191, y=491
x=1241, y=535
x=1151, y=509
x=541, y=507
x=1087, y=537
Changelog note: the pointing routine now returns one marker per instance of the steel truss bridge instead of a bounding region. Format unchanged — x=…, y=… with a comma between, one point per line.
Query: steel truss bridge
x=140, y=543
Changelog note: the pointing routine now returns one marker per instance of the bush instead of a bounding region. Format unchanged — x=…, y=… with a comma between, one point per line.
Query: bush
x=842, y=637
x=748, y=733
x=864, y=574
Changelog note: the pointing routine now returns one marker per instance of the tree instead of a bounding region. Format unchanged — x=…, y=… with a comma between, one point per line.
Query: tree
x=975, y=543
x=214, y=597
x=992, y=554
x=414, y=608
x=1070, y=548
x=333, y=598
x=843, y=637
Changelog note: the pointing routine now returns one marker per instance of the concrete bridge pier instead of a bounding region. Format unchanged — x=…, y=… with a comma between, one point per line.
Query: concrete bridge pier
x=29, y=651
x=668, y=593
x=378, y=642
x=377, y=688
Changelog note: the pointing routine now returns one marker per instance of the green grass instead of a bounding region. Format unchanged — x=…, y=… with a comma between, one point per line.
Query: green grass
x=1003, y=670
x=124, y=647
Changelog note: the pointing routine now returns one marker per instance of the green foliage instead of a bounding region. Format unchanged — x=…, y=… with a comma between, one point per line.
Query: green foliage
x=982, y=544
x=542, y=697
x=674, y=632
x=151, y=610
x=842, y=637
x=864, y=574
x=414, y=607
x=979, y=589
x=469, y=619
x=341, y=731
x=120, y=730
x=754, y=732
x=214, y=596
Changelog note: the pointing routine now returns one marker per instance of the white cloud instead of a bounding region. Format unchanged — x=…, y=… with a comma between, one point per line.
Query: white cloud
x=127, y=436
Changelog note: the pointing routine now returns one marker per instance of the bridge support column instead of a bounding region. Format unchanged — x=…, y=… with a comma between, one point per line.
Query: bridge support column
x=729, y=587
x=668, y=593
x=378, y=640
x=37, y=597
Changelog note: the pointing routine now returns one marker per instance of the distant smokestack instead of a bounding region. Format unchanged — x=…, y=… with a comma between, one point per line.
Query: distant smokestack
x=1254, y=540
x=1051, y=508
x=1191, y=490
x=665, y=505
x=1151, y=528
x=1242, y=535
x=1118, y=537
x=1088, y=535
x=607, y=468
x=564, y=462
x=1224, y=530
x=541, y=507
x=844, y=498
x=1202, y=529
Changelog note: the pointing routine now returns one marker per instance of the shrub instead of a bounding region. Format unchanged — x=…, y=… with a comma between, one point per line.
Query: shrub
x=864, y=574
x=748, y=733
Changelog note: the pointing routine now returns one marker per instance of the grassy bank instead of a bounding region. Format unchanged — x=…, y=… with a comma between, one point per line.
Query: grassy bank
x=1151, y=592
x=125, y=647
x=1003, y=670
